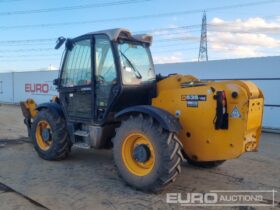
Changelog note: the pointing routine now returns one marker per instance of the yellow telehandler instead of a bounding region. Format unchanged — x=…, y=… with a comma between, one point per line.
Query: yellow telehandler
x=110, y=97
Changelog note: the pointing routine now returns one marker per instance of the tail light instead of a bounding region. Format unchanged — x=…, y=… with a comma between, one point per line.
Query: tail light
x=224, y=102
x=221, y=119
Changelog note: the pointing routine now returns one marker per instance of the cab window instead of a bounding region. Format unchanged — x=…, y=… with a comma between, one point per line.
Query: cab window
x=77, y=67
x=105, y=64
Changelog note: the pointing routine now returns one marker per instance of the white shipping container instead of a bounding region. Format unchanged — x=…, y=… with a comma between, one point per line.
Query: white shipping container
x=271, y=118
x=266, y=67
x=36, y=84
x=6, y=88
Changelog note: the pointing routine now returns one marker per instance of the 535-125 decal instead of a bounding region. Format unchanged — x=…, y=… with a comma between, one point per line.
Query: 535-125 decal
x=192, y=100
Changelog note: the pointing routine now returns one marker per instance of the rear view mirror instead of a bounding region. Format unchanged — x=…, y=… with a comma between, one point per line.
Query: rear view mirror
x=59, y=42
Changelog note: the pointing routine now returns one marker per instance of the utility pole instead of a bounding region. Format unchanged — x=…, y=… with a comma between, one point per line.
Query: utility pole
x=203, y=50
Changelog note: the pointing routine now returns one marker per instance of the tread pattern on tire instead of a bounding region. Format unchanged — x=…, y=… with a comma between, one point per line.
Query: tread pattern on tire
x=61, y=143
x=170, y=155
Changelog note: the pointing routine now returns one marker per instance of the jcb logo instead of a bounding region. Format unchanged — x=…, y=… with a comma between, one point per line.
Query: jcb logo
x=36, y=88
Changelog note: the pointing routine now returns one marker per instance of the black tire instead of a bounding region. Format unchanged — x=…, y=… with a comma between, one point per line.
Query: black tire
x=61, y=144
x=167, y=149
x=206, y=164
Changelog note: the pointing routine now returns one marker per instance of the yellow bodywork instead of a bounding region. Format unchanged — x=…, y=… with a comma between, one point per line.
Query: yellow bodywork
x=201, y=141
x=29, y=108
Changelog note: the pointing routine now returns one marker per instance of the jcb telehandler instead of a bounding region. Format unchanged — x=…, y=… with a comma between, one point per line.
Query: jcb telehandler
x=110, y=96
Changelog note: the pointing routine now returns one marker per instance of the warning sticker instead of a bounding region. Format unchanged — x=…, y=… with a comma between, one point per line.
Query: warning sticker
x=235, y=113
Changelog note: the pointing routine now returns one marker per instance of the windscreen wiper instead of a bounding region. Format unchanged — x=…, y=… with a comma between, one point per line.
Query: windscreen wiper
x=136, y=72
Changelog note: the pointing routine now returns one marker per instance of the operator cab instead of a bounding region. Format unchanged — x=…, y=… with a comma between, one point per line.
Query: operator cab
x=104, y=72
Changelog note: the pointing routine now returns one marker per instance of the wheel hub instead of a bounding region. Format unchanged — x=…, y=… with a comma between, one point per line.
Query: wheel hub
x=138, y=154
x=141, y=153
x=43, y=135
x=46, y=134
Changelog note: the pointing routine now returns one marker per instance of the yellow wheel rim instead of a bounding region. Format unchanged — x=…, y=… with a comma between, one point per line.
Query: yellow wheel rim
x=42, y=142
x=138, y=168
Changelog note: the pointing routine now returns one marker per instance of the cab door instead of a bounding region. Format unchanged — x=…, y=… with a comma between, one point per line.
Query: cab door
x=106, y=80
x=76, y=88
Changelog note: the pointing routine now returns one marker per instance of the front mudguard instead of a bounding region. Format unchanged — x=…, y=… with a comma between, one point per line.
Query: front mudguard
x=52, y=106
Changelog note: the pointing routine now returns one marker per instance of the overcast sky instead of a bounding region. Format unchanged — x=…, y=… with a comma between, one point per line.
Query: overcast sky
x=250, y=30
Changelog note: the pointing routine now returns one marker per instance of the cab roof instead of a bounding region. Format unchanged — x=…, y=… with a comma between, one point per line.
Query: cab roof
x=116, y=33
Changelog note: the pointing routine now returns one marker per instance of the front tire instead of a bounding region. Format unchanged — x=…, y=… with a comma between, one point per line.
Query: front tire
x=147, y=156
x=49, y=135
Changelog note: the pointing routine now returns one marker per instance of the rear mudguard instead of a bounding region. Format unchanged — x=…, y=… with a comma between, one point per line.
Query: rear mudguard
x=164, y=118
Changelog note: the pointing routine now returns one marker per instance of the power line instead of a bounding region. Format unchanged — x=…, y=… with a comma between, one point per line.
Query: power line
x=24, y=60
x=27, y=40
x=168, y=28
x=165, y=30
x=175, y=50
x=68, y=8
x=28, y=50
x=8, y=1
x=180, y=38
x=186, y=39
x=154, y=55
x=139, y=17
x=14, y=53
x=47, y=40
x=170, y=45
x=28, y=44
x=154, y=50
x=135, y=32
x=25, y=52
x=242, y=5
x=28, y=53
x=169, y=38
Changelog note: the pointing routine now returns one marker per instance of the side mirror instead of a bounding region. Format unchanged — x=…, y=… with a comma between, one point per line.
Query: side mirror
x=56, y=82
x=59, y=42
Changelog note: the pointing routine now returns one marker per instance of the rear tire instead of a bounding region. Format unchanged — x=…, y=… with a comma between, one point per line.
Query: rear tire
x=58, y=145
x=164, y=162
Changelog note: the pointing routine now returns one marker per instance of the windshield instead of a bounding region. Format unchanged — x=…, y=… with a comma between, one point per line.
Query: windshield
x=136, y=63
